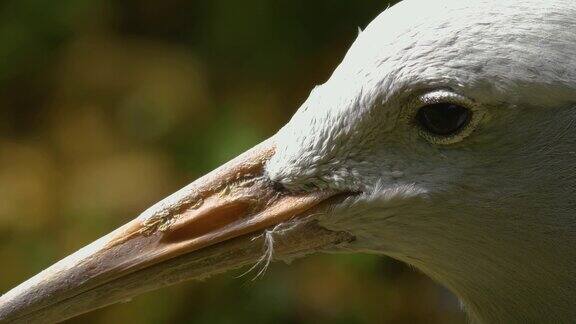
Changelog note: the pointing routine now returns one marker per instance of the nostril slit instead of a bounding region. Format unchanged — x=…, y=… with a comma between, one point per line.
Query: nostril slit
x=205, y=223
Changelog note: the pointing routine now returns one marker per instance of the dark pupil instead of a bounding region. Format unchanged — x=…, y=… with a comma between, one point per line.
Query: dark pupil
x=443, y=118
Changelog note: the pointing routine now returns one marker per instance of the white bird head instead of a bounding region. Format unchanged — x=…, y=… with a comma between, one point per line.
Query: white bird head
x=446, y=139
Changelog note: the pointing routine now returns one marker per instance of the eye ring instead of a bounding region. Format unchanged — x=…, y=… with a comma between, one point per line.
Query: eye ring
x=444, y=117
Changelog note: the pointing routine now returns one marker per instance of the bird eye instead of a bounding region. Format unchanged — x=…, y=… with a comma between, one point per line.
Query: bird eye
x=443, y=119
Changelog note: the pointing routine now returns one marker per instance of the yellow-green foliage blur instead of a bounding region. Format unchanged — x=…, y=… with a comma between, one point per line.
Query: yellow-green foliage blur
x=108, y=106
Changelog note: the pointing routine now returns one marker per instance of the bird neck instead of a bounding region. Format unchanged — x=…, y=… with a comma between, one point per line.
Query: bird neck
x=518, y=267
x=533, y=283
x=506, y=265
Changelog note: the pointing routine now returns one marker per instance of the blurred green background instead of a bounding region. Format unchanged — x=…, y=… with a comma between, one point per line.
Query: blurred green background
x=108, y=106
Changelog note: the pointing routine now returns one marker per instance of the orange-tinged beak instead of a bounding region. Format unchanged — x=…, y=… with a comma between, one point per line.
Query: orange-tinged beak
x=206, y=227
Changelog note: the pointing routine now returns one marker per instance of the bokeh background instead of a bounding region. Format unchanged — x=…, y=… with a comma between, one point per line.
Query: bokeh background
x=107, y=106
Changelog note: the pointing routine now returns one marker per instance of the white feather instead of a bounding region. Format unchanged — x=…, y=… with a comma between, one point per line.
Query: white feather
x=491, y=216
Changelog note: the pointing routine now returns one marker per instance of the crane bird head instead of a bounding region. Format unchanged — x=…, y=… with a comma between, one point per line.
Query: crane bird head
x=446, y=139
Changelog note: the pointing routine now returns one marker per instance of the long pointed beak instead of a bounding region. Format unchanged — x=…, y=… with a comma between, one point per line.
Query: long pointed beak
x=204, y=228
